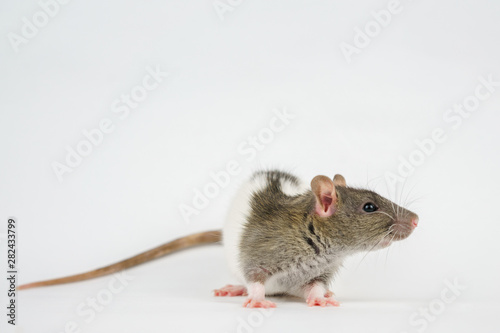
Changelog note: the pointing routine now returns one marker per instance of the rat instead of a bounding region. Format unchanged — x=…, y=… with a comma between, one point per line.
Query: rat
x=282, y=237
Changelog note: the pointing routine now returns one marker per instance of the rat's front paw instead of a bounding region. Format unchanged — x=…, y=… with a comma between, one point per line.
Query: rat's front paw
x=322, y=301
x=251, y=303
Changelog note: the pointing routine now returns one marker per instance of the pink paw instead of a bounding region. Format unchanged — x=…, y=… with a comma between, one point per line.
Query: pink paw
x=250, y=303
x=322, y=301
x=230, y=290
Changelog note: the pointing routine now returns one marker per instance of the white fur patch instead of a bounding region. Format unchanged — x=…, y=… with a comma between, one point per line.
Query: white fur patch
x=291, y=189
x=235, y=221
x=272, y=285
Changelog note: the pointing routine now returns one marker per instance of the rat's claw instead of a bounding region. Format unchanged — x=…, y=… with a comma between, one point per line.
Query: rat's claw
x=316, y=302
x=322, y=301
x=251, y=303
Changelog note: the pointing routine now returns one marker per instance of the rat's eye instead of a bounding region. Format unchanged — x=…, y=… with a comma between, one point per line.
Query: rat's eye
x=369, y=207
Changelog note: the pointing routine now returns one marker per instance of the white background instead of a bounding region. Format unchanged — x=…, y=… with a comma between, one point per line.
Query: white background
x=225, y=79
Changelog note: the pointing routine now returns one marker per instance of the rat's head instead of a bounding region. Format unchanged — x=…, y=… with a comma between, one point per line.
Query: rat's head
x=365, y=219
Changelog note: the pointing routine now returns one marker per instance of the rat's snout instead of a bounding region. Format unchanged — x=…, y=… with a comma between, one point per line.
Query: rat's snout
x=414, y=222
x=403, y=227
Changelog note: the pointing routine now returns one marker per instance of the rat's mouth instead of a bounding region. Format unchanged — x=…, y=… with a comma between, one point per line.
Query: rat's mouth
x=397, y=231
x=392, y=237
x=401, y=230
x=397, y=236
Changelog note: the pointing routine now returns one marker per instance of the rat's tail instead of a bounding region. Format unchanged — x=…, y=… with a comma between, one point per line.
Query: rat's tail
x=175, y=245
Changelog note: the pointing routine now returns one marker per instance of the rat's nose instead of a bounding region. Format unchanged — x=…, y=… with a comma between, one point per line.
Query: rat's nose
x=414, y=222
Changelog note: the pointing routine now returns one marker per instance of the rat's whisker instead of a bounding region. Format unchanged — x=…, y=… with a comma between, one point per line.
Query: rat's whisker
x=408, y=194
x=411, y=202
x=399, y=201
x=371, y=180
x=380, y=212
x=391, y=201
x=400, y=204
x=387, y=233
x=375, y=236
x=389, y=248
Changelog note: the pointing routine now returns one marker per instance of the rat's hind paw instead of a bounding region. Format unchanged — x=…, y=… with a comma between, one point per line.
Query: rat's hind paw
x=230, y=290
x=250, y=303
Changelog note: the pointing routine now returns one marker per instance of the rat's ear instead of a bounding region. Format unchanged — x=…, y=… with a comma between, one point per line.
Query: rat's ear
x=339, y=180
x=326, y=198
